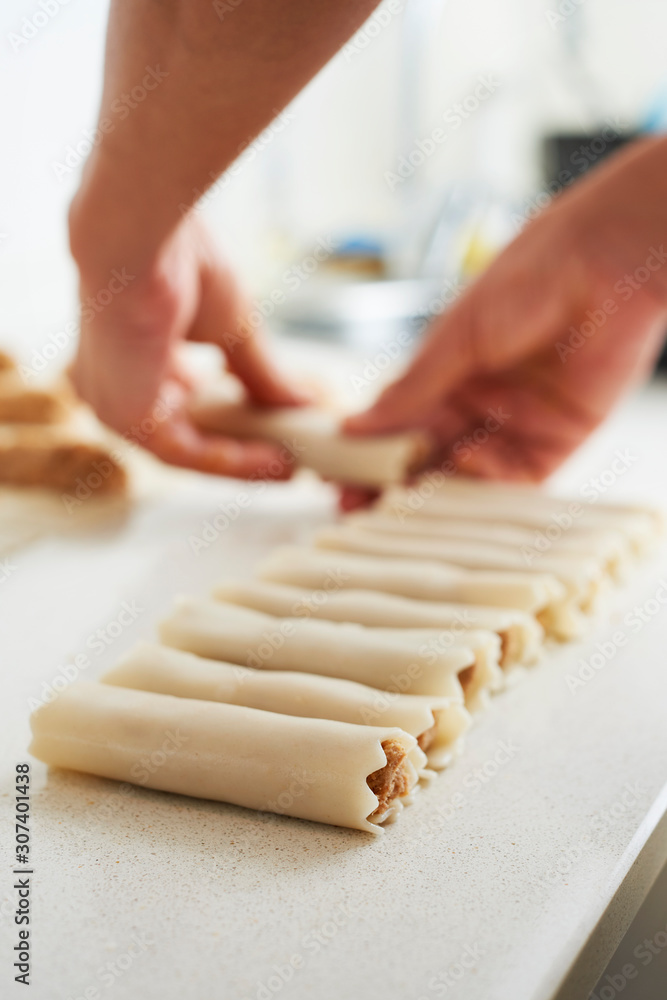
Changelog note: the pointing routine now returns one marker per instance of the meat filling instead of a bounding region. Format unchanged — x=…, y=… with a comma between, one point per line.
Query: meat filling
x=510, y=647
x=425, y=739
x=30, y=461
x=391, y=781
x=466, y=677
x=30, y=406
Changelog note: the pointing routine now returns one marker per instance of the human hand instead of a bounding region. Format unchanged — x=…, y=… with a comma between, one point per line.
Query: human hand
x=127, y=366
x=532, y=357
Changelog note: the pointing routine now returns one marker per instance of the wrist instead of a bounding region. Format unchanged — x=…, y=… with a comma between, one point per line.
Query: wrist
x=113, y=222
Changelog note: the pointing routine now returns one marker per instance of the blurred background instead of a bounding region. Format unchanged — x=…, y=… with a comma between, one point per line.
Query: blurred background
x=412, y=157
x=390, y=182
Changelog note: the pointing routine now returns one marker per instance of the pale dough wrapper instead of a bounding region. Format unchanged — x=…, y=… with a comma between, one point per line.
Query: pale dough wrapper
x=539, y=594
x=315, y=440
x=521, y=635
x=477, y=681
x=429, y=662
x=239, y=635
x=438, y=724
x=602, y=510
x=309, y=768
x=612, y=547
x=583, y=577
x=496, y=502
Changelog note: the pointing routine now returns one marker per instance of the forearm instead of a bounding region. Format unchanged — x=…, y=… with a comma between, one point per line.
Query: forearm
x=620, y=215
x=211, y=85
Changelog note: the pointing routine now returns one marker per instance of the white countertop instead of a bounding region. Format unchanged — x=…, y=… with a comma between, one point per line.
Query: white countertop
x=195, y=900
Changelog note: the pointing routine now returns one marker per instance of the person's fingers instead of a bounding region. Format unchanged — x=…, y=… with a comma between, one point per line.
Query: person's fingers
x=119, y=375
x=225, y=318
x=519, y=425
x=179, y=373
x=354, y=497
x=445, y=358
x=178, y=442
x=509, y=312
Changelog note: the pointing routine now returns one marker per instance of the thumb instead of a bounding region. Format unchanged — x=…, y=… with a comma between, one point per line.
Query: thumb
x=225, y=318
x=444, y=359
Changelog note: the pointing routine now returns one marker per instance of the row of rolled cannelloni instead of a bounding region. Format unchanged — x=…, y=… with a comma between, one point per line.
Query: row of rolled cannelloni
x=332, y=687
x=316, y=769
x=416, y=661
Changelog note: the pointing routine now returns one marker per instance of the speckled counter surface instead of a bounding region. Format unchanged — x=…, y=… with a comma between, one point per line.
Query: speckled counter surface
x=486, y=889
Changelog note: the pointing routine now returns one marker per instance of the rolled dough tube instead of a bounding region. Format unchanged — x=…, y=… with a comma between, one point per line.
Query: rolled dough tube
x=310, y=768
x=539, y=594
x=582, y=577
x=32, y=455
x=21, y=404
x=314, y=439
x=611, y=547
x=521, y=635
x=238, y=635
x=438, y=724
x=223, y=631
x=534, y=509
x=479, y=680
x=467, y=486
